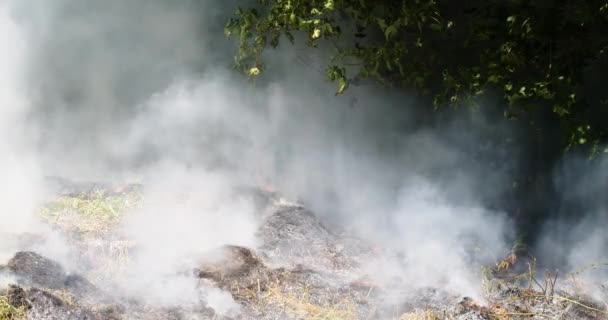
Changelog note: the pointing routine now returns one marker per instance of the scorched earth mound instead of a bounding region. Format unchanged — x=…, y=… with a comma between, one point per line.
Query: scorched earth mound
x=302, y=269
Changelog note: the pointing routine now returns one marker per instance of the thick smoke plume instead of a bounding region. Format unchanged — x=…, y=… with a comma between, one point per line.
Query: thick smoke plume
x=143, y=91
x=18, y=164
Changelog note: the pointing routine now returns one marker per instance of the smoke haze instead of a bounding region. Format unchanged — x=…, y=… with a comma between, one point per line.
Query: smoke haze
x=144, y=91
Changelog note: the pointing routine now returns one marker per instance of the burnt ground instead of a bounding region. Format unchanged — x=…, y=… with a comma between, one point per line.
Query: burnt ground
x=302, y=269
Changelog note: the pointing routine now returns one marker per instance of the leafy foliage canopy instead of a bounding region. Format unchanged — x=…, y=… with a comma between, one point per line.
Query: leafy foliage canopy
x=533, y=53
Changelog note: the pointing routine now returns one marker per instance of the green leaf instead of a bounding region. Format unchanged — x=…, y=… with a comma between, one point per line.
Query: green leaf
x=522, y=91
x=381, y=23
x=390, y=31
x=260, y=41
x=342, y=86
x=494, y=78
x=253, y=71
x=436, y=27
x=560, y=110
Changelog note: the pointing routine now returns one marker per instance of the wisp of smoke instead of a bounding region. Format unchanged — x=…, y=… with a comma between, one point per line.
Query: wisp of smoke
x=574, y=239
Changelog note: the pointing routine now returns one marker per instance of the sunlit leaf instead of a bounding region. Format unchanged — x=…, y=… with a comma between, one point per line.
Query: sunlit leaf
x=254, y=71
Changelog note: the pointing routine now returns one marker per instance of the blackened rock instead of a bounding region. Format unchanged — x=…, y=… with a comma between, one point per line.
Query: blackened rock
x=45, y=306
x=80, y=285
x=229, y=262
x=32, y=269
x=42, y=305
x=37, y=270
x=17, y=297
x=295, y=235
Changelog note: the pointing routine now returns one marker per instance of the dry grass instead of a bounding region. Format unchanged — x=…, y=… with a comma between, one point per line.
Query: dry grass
x=111, y=258
x=291, y=293
x=421, y=315
x=301, y=304
x=93, y=217
x=65, y=296
x=89, y=214
x=532, y=297
x=8, y=312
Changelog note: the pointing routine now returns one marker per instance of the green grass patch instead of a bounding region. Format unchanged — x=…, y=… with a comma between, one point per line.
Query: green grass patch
x=97, y=212
x=8, y=312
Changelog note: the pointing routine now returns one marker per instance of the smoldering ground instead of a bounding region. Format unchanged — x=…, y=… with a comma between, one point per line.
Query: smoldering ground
x=143, y=90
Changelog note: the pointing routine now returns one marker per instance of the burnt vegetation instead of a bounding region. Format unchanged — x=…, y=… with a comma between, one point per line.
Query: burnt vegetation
x=283, y=280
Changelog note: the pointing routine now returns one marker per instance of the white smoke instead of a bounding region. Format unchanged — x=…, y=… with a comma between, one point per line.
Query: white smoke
x=143, y=89
x=18, y=163
x=573, y=239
